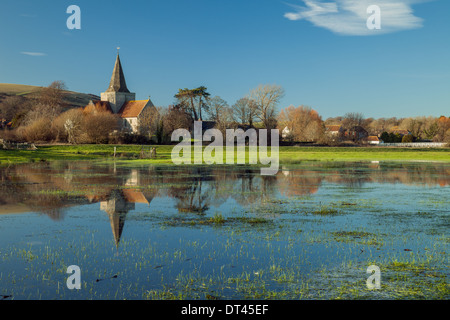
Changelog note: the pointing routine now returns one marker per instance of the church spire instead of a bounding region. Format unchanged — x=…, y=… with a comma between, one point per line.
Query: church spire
x=118, y=83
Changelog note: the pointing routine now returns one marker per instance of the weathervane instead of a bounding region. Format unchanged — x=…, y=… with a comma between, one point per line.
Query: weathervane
x=118, y=48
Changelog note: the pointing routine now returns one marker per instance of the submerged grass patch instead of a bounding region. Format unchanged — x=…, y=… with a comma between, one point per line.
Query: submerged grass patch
x=216, y=220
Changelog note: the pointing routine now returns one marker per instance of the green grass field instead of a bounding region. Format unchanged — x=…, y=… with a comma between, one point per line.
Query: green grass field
x=288, y=155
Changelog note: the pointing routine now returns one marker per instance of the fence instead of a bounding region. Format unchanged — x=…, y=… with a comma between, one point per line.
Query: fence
x=415, y=145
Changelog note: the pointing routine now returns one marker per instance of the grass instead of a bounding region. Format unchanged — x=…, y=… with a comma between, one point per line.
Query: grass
x=287, y=155
x=216, y=220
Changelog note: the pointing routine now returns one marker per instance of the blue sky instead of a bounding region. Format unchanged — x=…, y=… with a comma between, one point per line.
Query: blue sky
x=320, y=51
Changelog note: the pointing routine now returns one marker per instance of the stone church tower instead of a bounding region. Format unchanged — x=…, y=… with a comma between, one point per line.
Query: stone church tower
x=117, y=94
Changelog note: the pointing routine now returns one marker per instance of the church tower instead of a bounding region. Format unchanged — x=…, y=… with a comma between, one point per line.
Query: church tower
x=117, y=94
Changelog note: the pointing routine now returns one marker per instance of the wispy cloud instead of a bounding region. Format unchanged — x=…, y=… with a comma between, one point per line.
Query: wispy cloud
x=349, y=17
x=34, y=54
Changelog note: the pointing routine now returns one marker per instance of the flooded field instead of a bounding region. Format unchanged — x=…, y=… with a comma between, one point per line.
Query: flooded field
x=205, y=232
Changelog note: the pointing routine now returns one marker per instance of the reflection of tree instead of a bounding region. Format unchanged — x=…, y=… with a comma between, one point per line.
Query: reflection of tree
x=51, y=187
x=294, y=183
x=193, y=199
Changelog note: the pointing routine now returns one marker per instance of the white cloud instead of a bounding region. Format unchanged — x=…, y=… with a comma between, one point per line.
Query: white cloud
x=34, y=54
x=349, y=17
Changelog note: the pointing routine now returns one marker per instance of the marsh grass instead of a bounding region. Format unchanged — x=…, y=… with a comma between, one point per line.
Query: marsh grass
x=325, y=210
x=288, y=155
x=216, y=220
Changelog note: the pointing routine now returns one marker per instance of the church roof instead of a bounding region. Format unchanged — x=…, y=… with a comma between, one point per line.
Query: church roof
x=132, y=109
x=135, y=196
x=118, y=83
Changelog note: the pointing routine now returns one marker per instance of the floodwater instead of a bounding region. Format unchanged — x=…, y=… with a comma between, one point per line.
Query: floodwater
x=224, y=232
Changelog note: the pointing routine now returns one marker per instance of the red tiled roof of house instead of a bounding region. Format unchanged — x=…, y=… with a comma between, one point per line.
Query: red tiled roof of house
x=373, y=138
x=135, y=196
x=334, y=128
x=401, y=132
x=132, y=109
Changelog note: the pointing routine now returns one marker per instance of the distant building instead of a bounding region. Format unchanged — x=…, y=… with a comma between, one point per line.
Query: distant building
x=334, y=130
x=357, y=133
x=119, y=100
x=401, y=132
x=286, y=133
x=374, y=140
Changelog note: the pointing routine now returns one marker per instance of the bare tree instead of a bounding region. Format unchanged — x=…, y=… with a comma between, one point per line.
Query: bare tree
x=54, y=94
x=216, y=108
x=69, y=125
x=13, y=105
x=176, y=118
x=353, y=119
x=48, y=104
x=266, y=98
x=244, y=111
x=148, y=122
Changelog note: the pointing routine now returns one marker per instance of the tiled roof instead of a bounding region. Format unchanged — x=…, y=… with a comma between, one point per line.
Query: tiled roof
x=135, y=196
x=132, y=109
x=373, y=138
x=334, y=128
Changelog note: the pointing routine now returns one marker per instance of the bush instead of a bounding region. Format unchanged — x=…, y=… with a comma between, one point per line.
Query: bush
x=97, y=127
x=10, y=135
x=68, y=126
x=128, y=138
x=407, y=138
x=38, y=130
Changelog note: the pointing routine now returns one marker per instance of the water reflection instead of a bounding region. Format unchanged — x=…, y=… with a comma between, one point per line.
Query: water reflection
x=50, y=188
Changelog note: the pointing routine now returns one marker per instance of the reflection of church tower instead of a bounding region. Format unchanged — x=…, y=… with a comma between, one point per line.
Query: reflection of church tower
x=117, y=208
x=117, y=94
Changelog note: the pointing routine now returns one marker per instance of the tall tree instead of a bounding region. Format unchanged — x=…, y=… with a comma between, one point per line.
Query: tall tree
x=54, y=94
x=176, y=118
x=216, y=108
x=193, y=101
x=267, y=97
x=304, y=123
x=244, y=111
x=149, y=122
x=353, y=119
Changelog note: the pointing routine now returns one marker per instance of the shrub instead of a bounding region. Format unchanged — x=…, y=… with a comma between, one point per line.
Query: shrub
x=38, y=130
x=97, y=127
x=10, y=135
x=68, y=126
x=407, y=138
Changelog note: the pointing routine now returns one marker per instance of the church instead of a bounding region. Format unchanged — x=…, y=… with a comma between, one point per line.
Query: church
x=119, y=100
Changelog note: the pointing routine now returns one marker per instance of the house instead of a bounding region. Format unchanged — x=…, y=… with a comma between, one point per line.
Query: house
x=119, y=100
x=334, y=130
x=357, y=133
x=396, y=130
x=374, y=140
x=286, y=133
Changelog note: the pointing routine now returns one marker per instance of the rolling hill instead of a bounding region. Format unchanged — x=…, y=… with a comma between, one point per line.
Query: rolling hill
x=72, y=99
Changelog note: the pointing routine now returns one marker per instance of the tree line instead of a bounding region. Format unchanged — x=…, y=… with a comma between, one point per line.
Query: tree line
x=47, y=118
